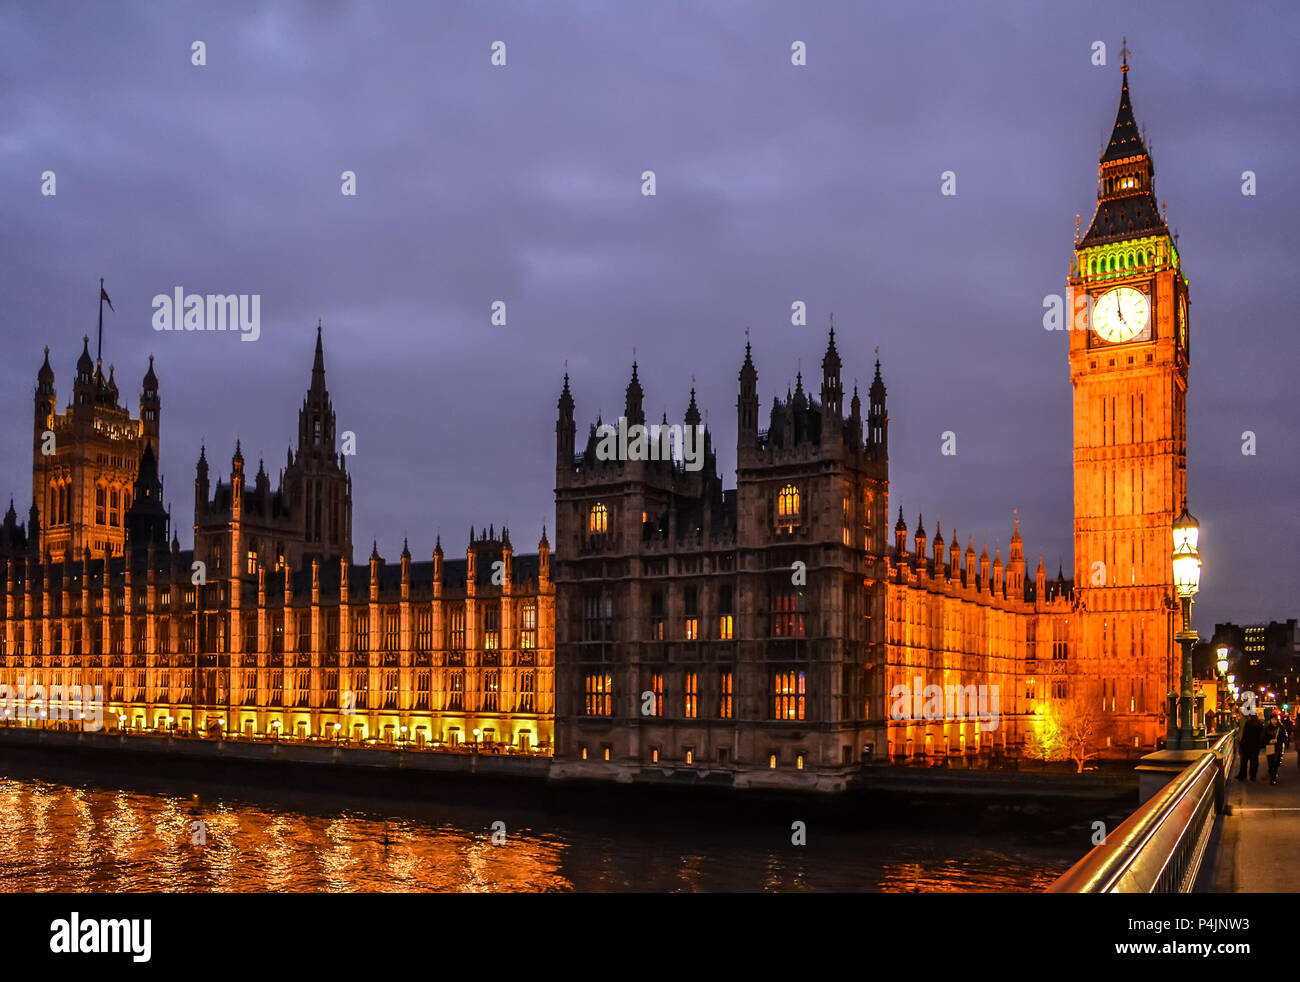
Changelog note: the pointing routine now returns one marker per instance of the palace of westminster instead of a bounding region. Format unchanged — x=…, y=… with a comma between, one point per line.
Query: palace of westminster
x=667, y=638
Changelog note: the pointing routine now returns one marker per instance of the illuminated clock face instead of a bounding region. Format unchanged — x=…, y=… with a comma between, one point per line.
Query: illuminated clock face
x=1121, y=314
x=1182, y=322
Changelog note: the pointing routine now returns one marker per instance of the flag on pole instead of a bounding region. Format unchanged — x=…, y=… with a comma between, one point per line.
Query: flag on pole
x=103, y=295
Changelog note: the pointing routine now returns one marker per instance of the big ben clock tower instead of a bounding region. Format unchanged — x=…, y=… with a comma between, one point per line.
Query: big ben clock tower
x=1128, y=366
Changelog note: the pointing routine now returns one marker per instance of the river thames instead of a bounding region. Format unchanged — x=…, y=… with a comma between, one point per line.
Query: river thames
x=79, y=837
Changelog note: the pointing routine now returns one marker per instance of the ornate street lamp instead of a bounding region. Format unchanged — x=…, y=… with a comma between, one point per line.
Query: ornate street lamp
x=1222, y=666
x=1182, y=733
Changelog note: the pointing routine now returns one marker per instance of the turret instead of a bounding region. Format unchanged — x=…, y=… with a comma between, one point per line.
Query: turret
x=201, y=484
x=1040, y=581
x=46, y=400
x=747, y=404
x=564, y=431
x=877, y=417
x=900, y=537
x=1016, y=565
x=633, y=407
x=937, y=543
x=832, y=389
x=83, y=388
x=150, y=406
x=920, y=542
x=543, y=559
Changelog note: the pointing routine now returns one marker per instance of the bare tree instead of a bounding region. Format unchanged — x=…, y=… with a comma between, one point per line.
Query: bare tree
x=1068, y=729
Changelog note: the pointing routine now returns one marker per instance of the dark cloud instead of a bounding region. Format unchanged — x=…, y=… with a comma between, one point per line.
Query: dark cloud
x=774, y=184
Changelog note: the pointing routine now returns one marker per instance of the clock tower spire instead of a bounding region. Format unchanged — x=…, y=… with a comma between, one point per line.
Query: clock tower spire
x=1129, y=361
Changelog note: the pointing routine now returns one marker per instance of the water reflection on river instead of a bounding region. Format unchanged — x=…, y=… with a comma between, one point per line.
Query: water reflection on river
x=82, y=838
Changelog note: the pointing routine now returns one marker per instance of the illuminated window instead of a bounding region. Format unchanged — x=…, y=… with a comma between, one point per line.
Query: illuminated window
x=657, y=687
x=598, y=519
x=724, y=695
x=491, y=691
x=692, y=625
x=606, y=751
x=583, y=751
x=599, y=701
x=788, y=693
x=787, y=507
x=654, y=755
x=846, y=513
x=771, y=761
x=691, y=700
x=689, y=755
x=528, y=625
x=798, y=762
x=252, y=562
x=725, y=623
x=456, y=690
x=491, y=627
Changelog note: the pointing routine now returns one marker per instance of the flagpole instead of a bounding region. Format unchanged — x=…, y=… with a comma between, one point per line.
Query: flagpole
x=99, y=345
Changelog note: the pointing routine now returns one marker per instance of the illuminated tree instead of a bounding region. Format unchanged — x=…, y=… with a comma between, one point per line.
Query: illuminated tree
x=1067, y=729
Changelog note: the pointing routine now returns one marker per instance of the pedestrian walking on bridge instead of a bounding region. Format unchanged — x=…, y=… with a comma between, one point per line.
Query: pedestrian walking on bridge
x=1274, y=745
x=1249, y=740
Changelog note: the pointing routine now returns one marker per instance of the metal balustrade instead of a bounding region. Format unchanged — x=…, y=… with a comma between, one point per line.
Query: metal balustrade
x=1160, y=847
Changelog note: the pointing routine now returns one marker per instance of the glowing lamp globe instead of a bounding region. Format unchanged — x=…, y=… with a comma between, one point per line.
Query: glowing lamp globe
x=1187, y=561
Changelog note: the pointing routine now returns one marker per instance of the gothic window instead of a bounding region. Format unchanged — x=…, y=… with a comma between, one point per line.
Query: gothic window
x=114, y=514
x=788, y=693
x=100, y=493
x=725, y=614
x=528, y=625
x=598, y=519
x=787, y=507
x=598, y=617
x=599, y=695
x=657, y=687
x=527, y=692
x=787, y=615
x=691, y=695
x=423, y=629
x=657, y=615
x=456, y=690
x=456, y=634
x=724, y=694
x=491, y=627
x=315, y=431
x=361, y=631
x=251, y=561
x=491, y=691
x=692, y=625
x=392, y=631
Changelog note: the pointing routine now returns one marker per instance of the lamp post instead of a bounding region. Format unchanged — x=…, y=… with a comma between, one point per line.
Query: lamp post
x=1182, y=733
x=1222, y=699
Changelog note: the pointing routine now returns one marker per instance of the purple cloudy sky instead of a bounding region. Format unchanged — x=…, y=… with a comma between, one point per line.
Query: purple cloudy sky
x=775, y=184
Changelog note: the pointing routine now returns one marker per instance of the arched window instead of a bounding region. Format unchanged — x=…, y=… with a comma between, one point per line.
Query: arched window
x=787, y=506
x=598, y=519
x=1092, y=266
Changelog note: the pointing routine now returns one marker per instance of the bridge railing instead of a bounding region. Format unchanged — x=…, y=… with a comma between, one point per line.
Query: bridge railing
x=1159, y=848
